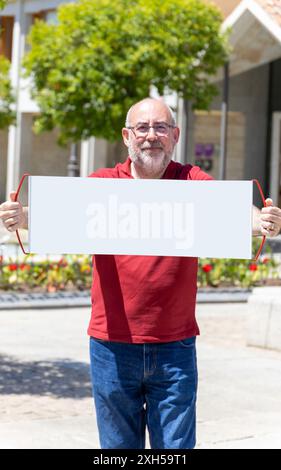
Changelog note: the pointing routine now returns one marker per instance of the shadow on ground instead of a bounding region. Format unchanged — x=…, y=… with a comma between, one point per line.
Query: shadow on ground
x=59, y=378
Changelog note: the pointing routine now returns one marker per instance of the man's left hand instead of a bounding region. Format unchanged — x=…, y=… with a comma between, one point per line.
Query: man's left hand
x=270, y=219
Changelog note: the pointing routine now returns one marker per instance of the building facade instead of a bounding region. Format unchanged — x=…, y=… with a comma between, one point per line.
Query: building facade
x=254, y=117
x=20, y=149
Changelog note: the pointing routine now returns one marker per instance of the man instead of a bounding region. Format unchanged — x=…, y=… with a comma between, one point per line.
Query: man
x=143, y=328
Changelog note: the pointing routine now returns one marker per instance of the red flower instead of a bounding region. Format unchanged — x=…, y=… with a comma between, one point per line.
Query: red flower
x=62, y=263
x=265, y=260
x=1, y=259
x=253, y=267
x=207, y=268
x=13, y=267
x=24, y=266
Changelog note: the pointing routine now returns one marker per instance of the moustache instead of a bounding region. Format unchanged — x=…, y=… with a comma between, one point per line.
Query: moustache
x=153, y=146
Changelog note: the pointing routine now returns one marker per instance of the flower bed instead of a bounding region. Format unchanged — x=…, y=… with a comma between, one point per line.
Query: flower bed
x=240, y=273
x=74, y=272
x=67, y=273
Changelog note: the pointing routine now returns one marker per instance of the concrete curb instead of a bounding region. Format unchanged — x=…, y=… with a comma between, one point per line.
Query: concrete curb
x=223, y=295
x=13, y=300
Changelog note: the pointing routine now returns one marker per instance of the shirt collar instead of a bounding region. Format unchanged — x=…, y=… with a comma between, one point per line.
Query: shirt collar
x=124, y=168
x=169, y=173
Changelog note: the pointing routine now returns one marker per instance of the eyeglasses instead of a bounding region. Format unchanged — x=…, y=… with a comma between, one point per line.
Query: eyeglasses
x=141, y=130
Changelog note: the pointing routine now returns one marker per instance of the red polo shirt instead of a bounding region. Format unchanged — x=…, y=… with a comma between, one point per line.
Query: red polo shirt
x=144, y=299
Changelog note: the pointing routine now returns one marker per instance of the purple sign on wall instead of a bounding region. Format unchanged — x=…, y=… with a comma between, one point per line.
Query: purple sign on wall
x=204, y=150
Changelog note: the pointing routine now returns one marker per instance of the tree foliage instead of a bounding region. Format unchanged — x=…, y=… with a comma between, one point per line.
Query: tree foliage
x=7, y=116
x=104, y=55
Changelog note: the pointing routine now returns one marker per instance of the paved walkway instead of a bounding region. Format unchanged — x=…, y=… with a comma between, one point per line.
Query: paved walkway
x=45, y=393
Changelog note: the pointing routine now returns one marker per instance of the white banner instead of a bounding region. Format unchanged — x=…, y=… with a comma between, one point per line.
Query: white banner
x=140, y=217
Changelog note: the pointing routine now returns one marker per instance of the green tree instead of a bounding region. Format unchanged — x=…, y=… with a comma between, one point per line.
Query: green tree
x=7, y=116
x=104, y=55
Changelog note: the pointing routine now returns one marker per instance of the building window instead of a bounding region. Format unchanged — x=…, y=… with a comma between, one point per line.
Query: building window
x=6, y=35
x=50, y=16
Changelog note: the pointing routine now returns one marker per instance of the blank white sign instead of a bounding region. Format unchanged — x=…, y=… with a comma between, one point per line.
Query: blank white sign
x=140, y=217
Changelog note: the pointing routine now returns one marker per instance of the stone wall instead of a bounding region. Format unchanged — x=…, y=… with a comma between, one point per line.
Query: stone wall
x=264, y=319
x=207, y=131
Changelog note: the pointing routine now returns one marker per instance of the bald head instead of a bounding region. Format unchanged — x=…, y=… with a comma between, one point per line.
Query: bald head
x=150, y=150
x=150, y=106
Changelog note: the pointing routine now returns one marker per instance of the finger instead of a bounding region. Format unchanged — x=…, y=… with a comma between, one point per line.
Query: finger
x=13, y=228
x=271, y=210
x=8, y=205
x=4, y=215
x=270, y=218
x=12, y=221
x=271, y=230
x=13, y=196
x=265, y=232
x=267, y=225
x=268, y=202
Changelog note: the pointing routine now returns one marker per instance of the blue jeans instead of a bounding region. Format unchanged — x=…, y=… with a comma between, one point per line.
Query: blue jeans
x=139, y=385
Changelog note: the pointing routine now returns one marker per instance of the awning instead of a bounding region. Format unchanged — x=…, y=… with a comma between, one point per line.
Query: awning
x=255, y=37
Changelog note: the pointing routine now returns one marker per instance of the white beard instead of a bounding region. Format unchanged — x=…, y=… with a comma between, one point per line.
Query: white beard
x=150, y=165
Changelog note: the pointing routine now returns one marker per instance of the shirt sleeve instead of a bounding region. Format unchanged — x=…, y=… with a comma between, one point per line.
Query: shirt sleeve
x=197, y=174
x=103, y=173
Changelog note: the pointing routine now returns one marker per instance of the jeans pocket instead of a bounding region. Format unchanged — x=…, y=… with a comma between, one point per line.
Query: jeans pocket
x=188, y=342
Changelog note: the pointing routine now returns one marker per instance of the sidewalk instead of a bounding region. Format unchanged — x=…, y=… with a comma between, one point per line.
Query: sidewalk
x=45, y=392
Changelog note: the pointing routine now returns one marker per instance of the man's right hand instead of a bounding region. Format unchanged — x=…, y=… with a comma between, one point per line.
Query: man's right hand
x=13, y=214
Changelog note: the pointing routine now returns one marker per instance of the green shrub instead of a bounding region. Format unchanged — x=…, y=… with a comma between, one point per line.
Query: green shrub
x=238, y=272
x=74, y=272
x=68, y=273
